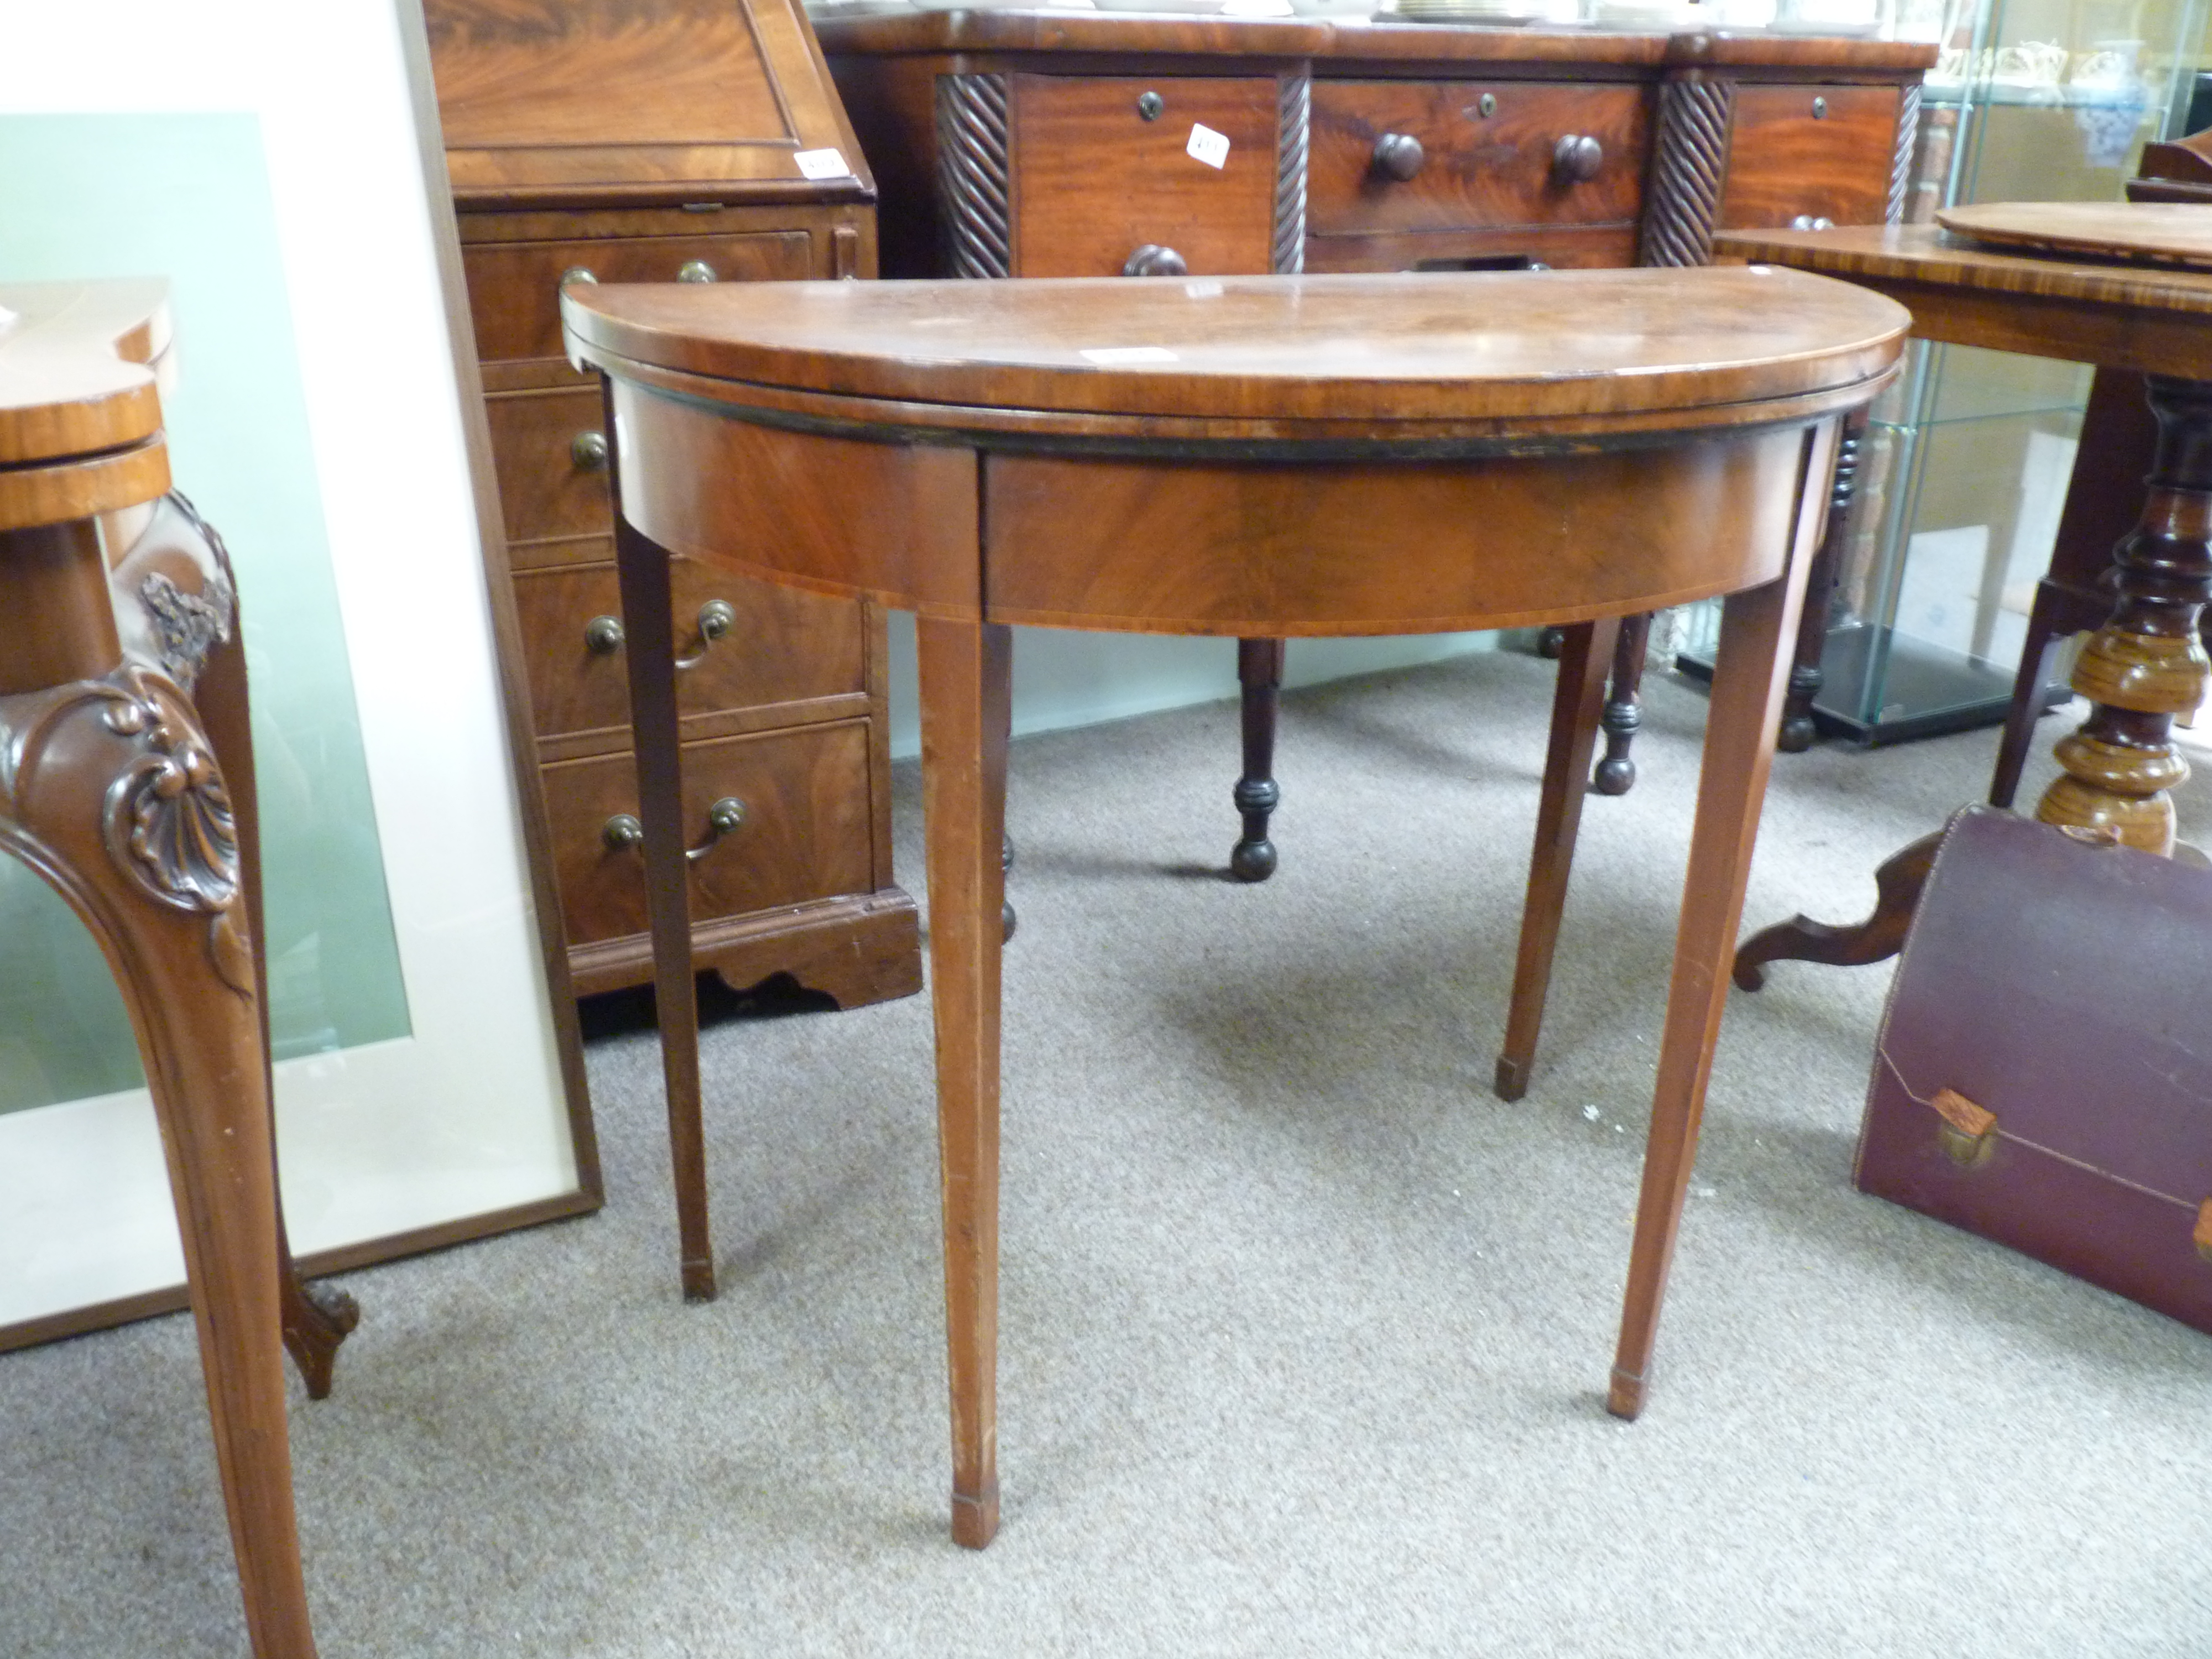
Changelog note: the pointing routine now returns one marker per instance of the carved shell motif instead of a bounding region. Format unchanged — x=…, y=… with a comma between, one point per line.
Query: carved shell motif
x=167, y=820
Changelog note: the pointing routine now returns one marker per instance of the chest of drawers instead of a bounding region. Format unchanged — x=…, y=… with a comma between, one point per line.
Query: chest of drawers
x=589, y=142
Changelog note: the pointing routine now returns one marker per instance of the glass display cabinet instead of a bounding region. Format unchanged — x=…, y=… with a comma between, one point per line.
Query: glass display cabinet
x=1964, y=471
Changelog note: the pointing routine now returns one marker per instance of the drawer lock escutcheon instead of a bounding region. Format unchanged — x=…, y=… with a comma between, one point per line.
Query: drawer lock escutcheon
x=1398, y=154
x=623, y=833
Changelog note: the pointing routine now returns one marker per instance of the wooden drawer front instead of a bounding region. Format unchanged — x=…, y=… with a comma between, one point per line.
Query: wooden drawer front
x=1095, y=180
x=782, y=646
x=542, y=448
x=1474, y=250
x=1475, y=171
x=514, y=288
x=1785, y=162
x=805, y=833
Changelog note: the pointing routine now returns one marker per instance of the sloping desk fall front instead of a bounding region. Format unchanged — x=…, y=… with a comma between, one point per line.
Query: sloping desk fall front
x=1259, y=456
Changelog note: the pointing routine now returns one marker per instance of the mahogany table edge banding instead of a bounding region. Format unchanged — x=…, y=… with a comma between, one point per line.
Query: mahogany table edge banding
x=952, y=524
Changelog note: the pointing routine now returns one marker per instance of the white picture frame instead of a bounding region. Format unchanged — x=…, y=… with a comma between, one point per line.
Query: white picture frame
x=476, y=1119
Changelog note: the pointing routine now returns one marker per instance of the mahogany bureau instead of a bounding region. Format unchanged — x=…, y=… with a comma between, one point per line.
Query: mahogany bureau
x=596, y=141
x=1058, y=143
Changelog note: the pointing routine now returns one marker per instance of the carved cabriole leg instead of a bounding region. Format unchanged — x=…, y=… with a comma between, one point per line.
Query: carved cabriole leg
x=2147, y=664
x=111, y=794
x=1259, y=679
x=1750, y=673
x=1797, y=730
x=180, y=573
x=1623, y=706
x=1584, y=651
x=963, y=672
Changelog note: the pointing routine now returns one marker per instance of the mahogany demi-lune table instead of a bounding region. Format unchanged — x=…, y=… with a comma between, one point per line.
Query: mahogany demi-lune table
x=2146, y=665
x=126, y=783
x=1255, y=457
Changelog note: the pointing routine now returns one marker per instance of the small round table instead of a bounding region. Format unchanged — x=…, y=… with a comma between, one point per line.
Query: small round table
x=1255, y=458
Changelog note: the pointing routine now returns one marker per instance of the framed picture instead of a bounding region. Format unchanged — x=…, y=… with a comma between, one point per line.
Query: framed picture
x=277, y=166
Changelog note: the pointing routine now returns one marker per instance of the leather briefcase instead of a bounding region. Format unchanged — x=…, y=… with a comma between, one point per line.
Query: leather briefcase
x=2043, y=1075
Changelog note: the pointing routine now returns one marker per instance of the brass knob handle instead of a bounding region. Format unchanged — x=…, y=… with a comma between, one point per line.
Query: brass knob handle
x=622, y=832
x=1150, y=105
x=1809, y=222
x=716, y=618
x=576, y=274
x=1576, y=158
x=1154, y=260
x=588, y=450
x=603, y=636
x=1820, y=109
x=695, y=271
x=1400, y=154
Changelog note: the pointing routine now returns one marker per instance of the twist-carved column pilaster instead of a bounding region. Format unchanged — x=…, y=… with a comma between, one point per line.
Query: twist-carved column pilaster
x=1293, y=126
x=1689, y=162
x=1908, y=143
x=2147, y=664
x=973, y=171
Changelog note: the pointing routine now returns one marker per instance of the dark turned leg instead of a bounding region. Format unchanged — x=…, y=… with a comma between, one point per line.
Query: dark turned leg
x=1260, y=673
x=1624, y=710
x=2147, y=664
x=1585, y=650
x=1797, y=731
x=1549, y=640
x=2020, y=714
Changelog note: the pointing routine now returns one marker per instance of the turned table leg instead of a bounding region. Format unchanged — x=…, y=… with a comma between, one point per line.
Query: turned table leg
x=2147, y=664
x=963, y=672
x=1260, y=681
x=1624, y=706
x=1796, y=732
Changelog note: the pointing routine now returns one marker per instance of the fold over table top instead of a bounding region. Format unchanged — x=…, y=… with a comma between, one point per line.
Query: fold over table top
x=1381, y=358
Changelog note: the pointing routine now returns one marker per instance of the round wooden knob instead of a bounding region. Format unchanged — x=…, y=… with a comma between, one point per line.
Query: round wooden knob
x=1398, y=154
x=1154, y=260
x=1576, y=158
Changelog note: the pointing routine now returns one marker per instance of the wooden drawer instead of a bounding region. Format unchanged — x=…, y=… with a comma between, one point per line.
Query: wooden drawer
x=1475, y=250
x=806, y=833
x=514, y=288
x=550, y=457
x=1095, y=179
x=1475, y=171
x=1822, y=152
x=779, y=645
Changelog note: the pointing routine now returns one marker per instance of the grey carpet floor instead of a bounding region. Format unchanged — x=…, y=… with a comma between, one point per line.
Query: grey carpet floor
x=1304, y=1333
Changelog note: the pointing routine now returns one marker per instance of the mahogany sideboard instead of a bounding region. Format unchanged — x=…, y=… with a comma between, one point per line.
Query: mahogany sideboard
x=599, y=141
x=1058, y=143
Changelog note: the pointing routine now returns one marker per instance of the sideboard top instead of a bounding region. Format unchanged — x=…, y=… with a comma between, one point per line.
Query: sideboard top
x=1340, y=40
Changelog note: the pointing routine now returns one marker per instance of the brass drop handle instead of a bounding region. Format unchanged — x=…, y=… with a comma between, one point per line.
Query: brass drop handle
x=1576, y=158
x=1400, y=154
x=1154, y=260
x=622, y=832
x=588, y=450
x=603, y=636
x=695, y=271
x=716, y=618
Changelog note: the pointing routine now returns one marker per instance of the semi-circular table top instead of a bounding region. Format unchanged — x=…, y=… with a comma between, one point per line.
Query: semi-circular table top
x=1381, y=359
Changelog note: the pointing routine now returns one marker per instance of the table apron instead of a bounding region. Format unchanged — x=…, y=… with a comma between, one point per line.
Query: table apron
x=1211, y=546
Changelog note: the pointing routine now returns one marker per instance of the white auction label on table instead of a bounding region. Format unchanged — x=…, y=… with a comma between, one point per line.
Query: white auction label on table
x=1208, y=146
x=822, y=163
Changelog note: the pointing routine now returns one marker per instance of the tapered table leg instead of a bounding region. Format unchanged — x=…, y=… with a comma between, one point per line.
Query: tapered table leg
x=1584, y=651
x=963, y=672
x=1751, y=674
x=1260, y=681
